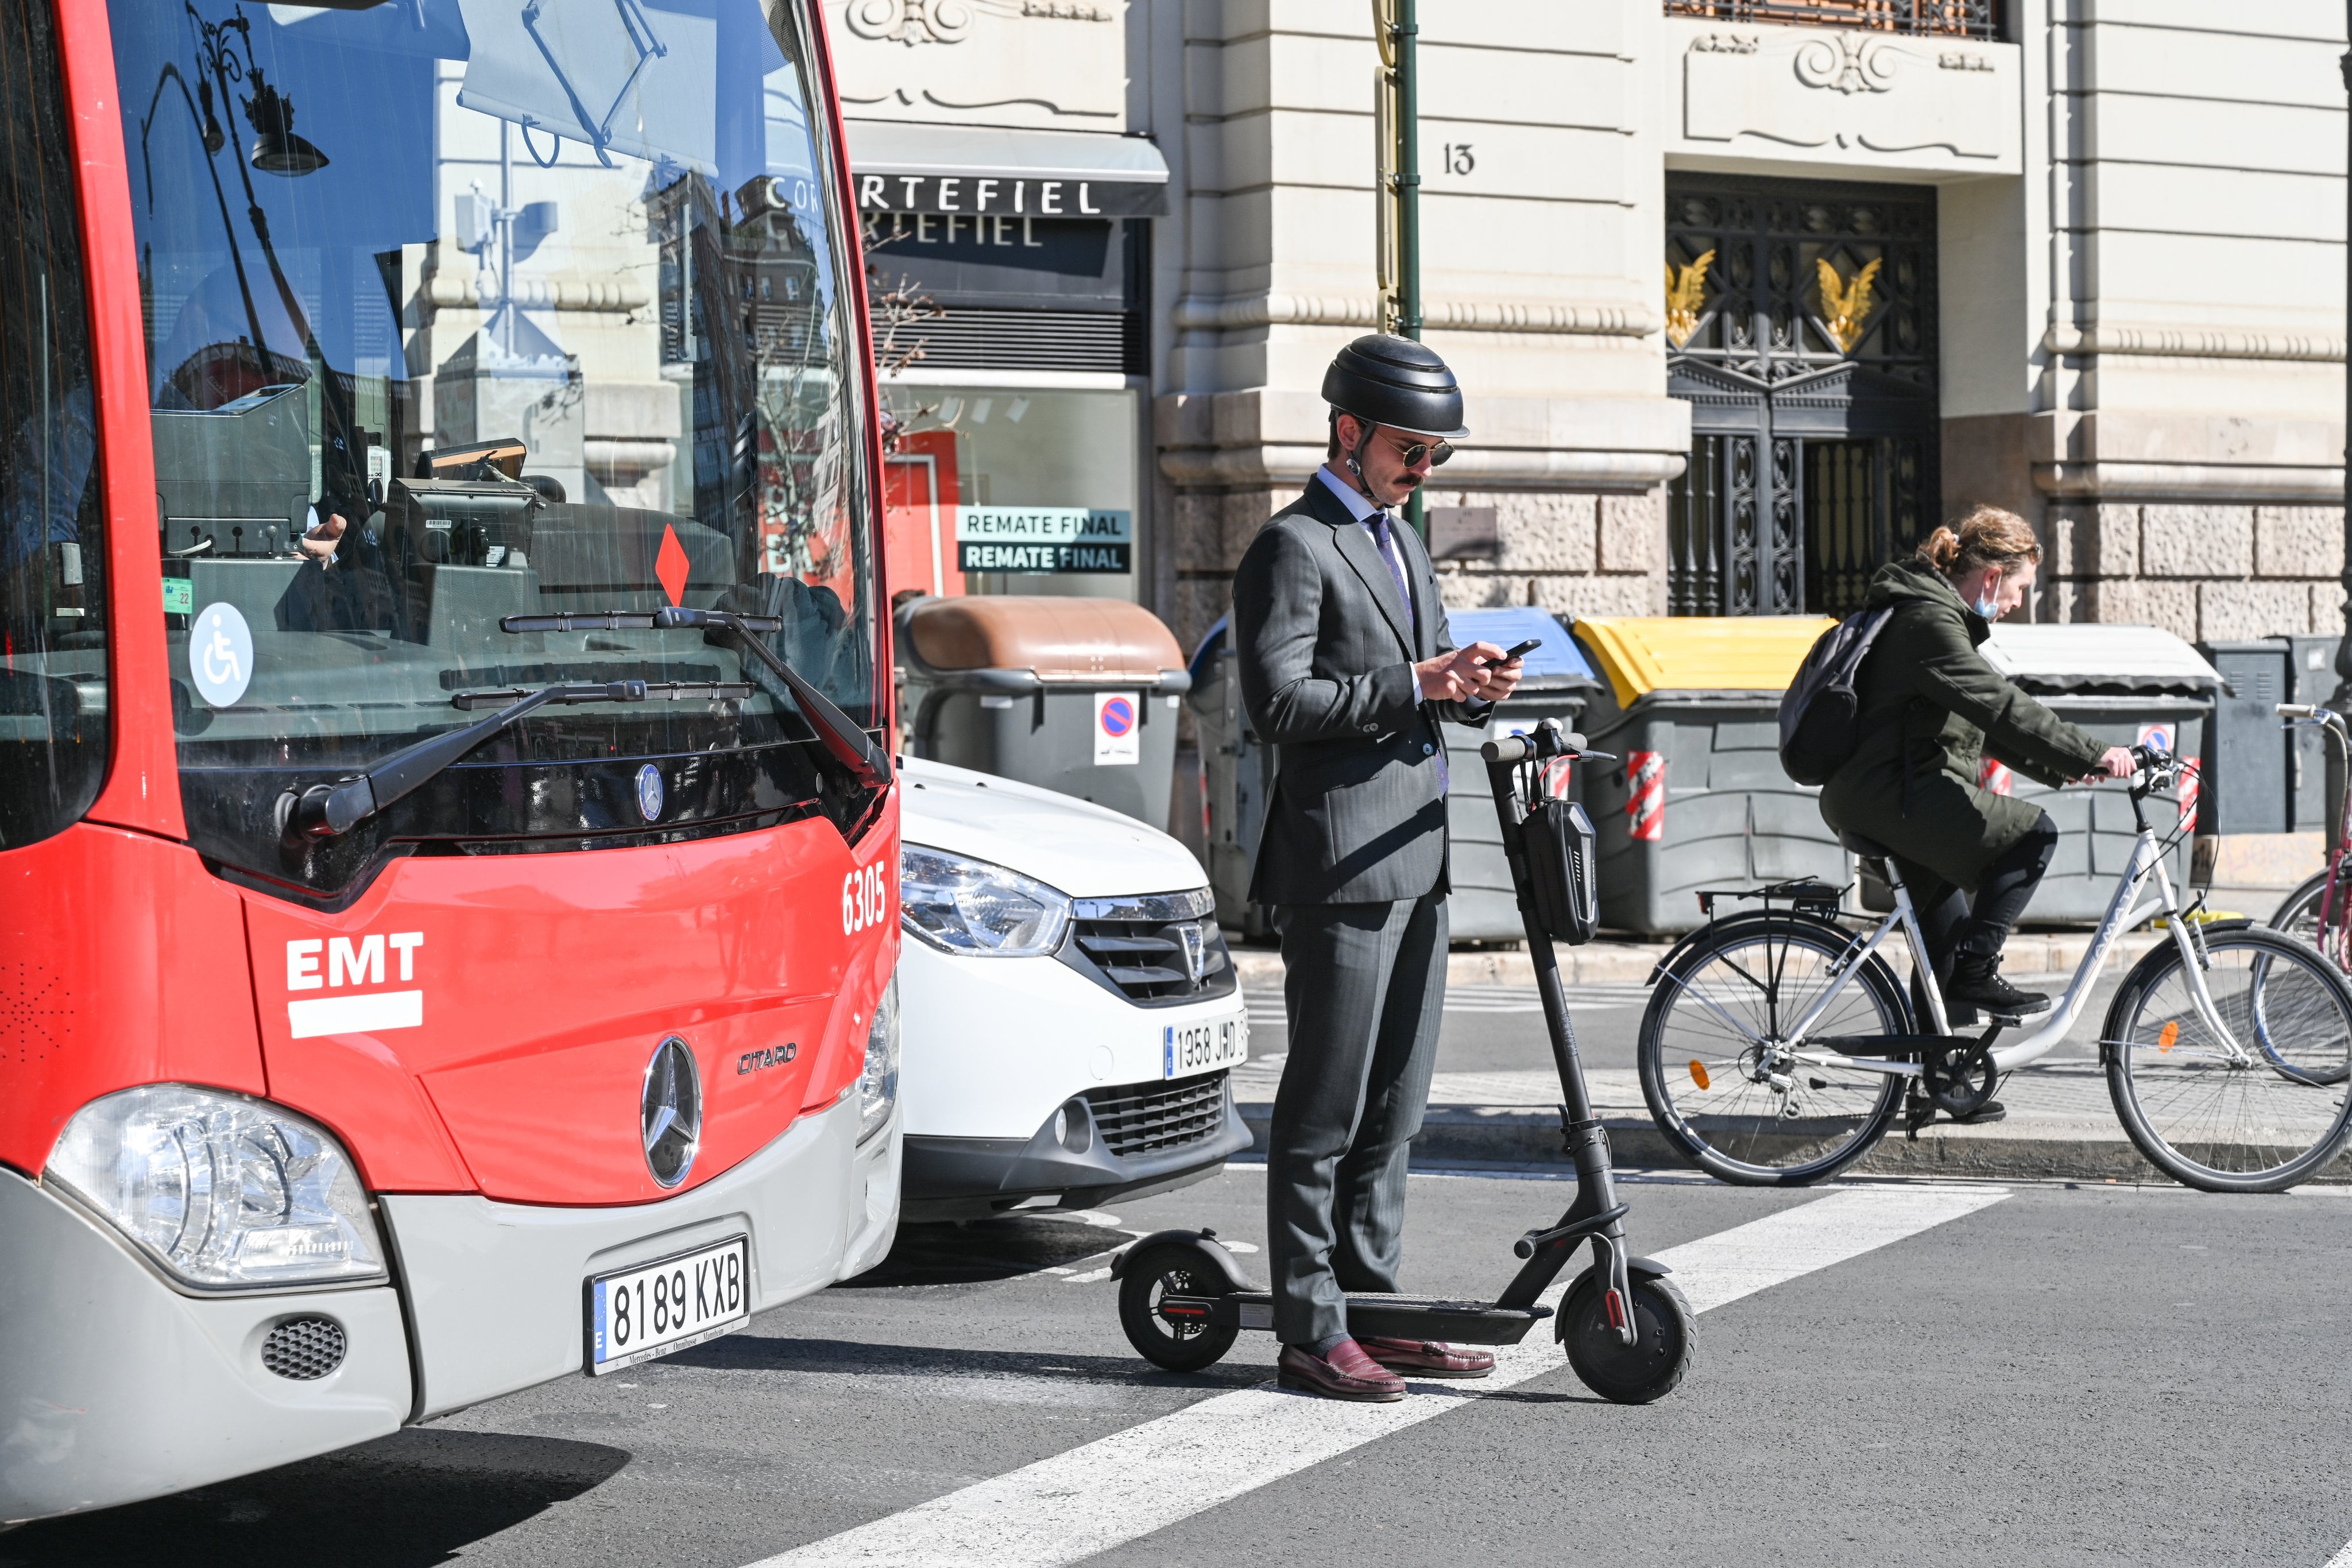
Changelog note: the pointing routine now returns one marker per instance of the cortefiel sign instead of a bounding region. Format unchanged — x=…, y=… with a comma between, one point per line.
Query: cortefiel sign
x=1044, y=538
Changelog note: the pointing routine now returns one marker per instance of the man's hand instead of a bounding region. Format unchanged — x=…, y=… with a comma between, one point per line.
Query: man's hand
x=318, y=542
x=1475, y=674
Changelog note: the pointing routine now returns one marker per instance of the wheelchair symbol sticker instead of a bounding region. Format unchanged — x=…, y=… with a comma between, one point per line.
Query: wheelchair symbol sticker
x=220, y=654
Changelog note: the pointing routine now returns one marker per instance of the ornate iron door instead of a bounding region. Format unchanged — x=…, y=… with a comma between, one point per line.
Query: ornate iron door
x=1800, y=327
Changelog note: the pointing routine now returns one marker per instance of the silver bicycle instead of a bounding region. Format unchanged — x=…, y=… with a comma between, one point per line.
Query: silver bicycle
x=1780, y=1046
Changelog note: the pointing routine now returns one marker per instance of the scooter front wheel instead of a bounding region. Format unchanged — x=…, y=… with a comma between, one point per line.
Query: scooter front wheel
x=1634, y=1374
x=1166, y=1339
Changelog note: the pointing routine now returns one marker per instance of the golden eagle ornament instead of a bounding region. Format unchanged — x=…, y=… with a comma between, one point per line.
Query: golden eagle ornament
x=1685, y=297
x=1846, y=307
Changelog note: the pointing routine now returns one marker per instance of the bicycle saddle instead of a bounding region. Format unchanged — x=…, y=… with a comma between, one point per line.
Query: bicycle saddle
x=1868, y=849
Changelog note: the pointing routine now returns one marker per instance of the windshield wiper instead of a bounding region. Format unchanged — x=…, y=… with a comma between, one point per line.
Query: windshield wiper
x=842, y=737
x=325, y=811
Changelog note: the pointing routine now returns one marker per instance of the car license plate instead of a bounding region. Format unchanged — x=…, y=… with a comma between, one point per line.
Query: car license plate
x=1186, y=1048
x=656, y=1308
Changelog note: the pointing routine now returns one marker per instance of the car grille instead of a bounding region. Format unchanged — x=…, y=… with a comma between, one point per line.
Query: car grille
x=1151, y=1118
x=1144, y=947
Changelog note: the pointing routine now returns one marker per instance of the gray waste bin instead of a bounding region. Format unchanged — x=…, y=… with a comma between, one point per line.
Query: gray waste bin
x=1697, y=799
x=1558, y=683
x=2126, y=685
x=2260, y=777
x=1237, y=771
x=1074, y=695
x=1236, y=780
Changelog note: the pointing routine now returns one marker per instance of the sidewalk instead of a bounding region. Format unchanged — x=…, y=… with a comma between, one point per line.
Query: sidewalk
x=2061, y=1123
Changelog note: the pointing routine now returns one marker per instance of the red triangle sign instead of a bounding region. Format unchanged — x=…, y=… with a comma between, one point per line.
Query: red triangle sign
x=670, y=565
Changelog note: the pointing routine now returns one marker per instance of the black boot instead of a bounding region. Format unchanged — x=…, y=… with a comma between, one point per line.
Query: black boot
x=1976, y=982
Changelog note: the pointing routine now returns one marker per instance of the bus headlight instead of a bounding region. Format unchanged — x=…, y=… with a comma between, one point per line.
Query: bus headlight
x=877, y=1090
x=967, y=907
x=226, y=1192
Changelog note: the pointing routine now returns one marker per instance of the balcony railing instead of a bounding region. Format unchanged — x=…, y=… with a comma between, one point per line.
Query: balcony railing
x=1949, y=19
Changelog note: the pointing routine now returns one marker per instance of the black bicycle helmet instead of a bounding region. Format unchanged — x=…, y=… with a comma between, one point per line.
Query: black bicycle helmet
x=1397, y=383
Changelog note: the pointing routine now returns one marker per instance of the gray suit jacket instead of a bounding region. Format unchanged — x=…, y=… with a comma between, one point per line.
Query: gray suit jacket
x=1326, y=653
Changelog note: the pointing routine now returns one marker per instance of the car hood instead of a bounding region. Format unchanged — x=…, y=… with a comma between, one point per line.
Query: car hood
x=1085, y=850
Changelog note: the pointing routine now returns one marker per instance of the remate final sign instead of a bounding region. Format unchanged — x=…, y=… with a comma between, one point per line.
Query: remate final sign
x=1045, y=538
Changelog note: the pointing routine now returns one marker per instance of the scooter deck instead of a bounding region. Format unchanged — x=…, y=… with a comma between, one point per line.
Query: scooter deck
x=1386, y=1317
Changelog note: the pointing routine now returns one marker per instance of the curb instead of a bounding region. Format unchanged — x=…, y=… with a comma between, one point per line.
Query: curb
x=1630, y=963
x=1474, y=1134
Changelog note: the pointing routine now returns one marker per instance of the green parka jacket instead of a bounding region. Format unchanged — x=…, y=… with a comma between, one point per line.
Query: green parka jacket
x=1932, y=709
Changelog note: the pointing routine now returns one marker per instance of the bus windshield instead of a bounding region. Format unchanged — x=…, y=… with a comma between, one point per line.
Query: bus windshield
x=476, y=330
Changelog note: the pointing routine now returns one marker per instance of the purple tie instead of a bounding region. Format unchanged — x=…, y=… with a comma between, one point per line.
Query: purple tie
x=1380, y=535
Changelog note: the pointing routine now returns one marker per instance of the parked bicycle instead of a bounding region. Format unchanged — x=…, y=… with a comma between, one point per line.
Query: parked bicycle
x=2318, y=910
x=1778, y=1045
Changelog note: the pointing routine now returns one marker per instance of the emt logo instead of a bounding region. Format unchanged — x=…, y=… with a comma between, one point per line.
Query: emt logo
x=338, y=962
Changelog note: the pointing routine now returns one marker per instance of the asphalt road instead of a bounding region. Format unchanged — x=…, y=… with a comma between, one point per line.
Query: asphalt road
x=2050, y=1375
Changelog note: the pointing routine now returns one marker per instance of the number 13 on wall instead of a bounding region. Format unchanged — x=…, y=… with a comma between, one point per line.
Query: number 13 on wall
x=1455, y=158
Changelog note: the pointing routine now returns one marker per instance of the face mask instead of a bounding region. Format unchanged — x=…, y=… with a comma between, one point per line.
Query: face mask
x=1986, y=607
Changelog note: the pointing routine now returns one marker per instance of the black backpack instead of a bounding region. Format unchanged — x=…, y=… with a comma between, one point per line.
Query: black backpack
x=1821, y=718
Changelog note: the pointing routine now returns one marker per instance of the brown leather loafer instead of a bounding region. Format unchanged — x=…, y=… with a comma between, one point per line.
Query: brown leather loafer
x=1427, y=1358
x=1345, y=1373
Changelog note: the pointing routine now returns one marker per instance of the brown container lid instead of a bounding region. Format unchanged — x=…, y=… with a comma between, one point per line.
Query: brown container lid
x=1059, y=637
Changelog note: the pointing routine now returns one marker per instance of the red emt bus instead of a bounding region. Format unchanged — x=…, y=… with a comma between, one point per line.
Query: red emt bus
x=446, y=855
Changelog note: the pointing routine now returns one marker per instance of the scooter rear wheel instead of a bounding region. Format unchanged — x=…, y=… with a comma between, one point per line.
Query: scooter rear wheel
x=1172, y=1269
x=1639, y=1372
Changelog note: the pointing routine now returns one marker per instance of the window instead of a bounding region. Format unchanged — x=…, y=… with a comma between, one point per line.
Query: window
x=53, y=726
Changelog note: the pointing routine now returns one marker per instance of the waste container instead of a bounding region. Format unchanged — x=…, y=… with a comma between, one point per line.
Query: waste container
x=1074, y=695
x=2127, y=685
x=2260, y=777
x=1558, y=681
x=1236, y=780
x=1697, y=798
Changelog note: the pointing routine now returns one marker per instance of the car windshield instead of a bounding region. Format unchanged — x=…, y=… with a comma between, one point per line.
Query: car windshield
x=463, y=310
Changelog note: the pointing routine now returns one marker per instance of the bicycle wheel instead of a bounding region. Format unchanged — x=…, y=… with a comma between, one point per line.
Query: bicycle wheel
x=2298, y=913
x=1721, y=1083
x=2258, y=1110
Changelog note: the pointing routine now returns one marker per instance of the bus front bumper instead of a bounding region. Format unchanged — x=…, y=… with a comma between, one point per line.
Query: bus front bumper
x=114, y=1386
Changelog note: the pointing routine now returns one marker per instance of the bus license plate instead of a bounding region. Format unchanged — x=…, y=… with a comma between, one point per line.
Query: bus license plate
x=656, y=1308
x=1191, y=1047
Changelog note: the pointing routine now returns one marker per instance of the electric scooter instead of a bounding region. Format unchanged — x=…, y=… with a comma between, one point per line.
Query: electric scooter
x=1183, y=1298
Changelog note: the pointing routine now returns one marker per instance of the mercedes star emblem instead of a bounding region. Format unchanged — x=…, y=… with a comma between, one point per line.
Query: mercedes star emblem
x=672, y=1116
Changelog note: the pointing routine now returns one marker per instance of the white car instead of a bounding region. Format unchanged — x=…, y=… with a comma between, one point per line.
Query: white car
x=1069, y=1015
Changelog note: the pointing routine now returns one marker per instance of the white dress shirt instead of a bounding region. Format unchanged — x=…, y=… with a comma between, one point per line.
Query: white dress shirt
x=1363, y=511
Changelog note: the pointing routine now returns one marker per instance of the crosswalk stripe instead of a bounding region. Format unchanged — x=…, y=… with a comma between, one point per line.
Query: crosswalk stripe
x=1104, y=1494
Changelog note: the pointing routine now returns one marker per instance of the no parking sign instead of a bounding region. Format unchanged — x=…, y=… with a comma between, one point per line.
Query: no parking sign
x=1119, y=738
x=2158, y=736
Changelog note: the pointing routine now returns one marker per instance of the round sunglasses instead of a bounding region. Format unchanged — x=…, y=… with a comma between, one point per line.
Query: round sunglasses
x=1413, y=452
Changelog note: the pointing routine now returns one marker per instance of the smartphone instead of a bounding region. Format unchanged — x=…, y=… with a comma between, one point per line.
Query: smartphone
x=1523, y=650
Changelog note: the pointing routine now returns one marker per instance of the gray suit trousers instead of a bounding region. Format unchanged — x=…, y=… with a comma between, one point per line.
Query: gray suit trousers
x=1364, y=985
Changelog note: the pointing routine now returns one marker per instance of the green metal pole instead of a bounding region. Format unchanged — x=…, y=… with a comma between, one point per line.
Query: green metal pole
x=1408, y=181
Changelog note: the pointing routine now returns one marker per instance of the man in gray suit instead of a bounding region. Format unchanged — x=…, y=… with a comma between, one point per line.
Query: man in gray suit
x=1346, y=668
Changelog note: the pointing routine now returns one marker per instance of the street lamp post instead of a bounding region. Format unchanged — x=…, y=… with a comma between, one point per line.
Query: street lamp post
x=2342, y=700
x=1397, y=105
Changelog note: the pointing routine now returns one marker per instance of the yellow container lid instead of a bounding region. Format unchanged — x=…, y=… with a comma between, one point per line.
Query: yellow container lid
x=1639, y=654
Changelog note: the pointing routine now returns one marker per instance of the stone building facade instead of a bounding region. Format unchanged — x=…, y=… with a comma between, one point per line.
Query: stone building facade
x=1747, y=294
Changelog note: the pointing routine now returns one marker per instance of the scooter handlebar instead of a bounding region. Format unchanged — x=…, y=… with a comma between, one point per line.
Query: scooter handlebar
x=1548, y=739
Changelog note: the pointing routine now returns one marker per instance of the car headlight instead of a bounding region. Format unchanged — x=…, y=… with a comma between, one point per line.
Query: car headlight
x=878, y=1088
x=226, y=1192
x=967, y=906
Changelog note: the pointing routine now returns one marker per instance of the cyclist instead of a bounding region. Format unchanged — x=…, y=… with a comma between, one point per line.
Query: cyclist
x=1932, y=708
